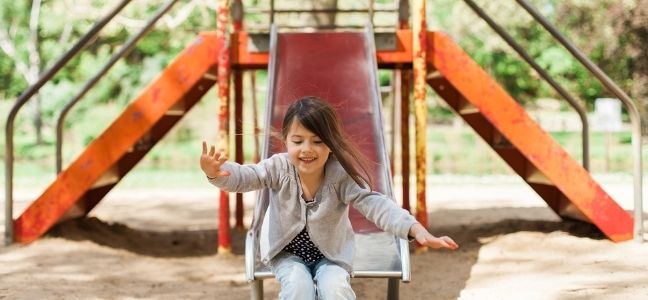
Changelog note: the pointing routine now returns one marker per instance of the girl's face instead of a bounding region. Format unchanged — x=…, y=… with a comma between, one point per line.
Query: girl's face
x=307, y=152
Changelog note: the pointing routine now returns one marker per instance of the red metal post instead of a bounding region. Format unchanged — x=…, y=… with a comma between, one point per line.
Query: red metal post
x=403, y=14
x=419, y=65
x=237, y=18
x=238, y=139
x=255, y=119
x=224, y=238
x=405, y=138
x=392, y=124
x=404, y=80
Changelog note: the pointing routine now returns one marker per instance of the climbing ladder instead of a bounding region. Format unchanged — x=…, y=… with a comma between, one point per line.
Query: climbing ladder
x=106, y=160
x=544, y=165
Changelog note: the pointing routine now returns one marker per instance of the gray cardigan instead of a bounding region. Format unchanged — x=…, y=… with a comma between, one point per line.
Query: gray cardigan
x=325, y=218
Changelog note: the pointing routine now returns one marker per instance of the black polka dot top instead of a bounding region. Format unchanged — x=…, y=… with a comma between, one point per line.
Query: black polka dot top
x=303, y=247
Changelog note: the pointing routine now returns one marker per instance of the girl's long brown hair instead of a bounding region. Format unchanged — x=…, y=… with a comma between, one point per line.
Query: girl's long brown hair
x=320, y=118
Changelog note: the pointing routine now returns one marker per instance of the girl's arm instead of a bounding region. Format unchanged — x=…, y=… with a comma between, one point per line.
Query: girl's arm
x=384, y=212
x=377, y=208
x=237, y=178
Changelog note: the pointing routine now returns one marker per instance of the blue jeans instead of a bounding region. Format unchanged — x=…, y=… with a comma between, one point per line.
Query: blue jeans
x=300, y=280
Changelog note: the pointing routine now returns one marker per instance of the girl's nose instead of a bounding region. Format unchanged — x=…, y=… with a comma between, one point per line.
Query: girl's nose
x=307, y=147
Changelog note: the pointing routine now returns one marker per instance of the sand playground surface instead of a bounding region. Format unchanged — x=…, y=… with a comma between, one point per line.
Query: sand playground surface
x=160, y=244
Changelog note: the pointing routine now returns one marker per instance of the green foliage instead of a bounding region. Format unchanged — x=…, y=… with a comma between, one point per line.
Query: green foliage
x=601, y=29
x=384, y=77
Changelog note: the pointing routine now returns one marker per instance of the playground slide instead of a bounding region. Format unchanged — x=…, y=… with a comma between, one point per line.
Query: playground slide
x=339, y=67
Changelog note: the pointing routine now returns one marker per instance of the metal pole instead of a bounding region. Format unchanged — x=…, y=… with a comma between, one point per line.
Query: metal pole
x=25, y=97
x=237, y=21
x=404, y=81
x=393, y=115
x=393, y=288
x=272, y=12
x=559, y=89
x=256, y=292
x=224, y=239
x=255, y=118
x=404, y=78
x=635, y=117
x=371, y=12
x=130, y=44
x=419, y=37
x=238, y=140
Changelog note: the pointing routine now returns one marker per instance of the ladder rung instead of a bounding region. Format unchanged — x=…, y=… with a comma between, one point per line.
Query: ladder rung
x=534, y=175
x=500, y=141
x=466, y=108
x=109, y=177
x=177, y=109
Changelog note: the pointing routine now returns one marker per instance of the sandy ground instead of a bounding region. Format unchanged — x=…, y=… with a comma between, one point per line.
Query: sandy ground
x=160, y=244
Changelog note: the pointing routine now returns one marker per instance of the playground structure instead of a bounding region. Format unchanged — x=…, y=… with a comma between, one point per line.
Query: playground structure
x=432, y=57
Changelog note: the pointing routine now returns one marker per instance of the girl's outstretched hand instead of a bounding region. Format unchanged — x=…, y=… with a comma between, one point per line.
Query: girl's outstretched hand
x=424, y=238
x=210, y=162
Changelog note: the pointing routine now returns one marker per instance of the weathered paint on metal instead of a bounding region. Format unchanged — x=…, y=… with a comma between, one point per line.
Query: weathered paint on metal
x=147, y=109
x=222, y=35
x=541, y=151
x=420, y=108
x=244, y=59
x=255, y=118
x=405, y=136
x=405, y=84
x=237, y=21
x=238, y=140
x=237, y=11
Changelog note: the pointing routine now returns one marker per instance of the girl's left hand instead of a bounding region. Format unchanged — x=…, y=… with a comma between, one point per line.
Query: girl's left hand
x=426, y=239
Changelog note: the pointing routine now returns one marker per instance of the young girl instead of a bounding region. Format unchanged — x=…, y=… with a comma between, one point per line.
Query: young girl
x=311, y=240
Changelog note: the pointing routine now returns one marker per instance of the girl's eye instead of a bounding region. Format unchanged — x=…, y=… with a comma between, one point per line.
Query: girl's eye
x=318, y=142
x=297, y=142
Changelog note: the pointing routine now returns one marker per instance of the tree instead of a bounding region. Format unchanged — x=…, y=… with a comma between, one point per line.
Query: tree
x=31, y=41
x=20, y=42
x=630, y=22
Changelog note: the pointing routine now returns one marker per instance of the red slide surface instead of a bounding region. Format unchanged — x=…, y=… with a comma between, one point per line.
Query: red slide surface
x=339, y=67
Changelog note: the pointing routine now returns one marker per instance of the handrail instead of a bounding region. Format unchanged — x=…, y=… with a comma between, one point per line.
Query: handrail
x=543, y=73
x=26, y=96
x=132, y=41
x=321, y=10
x=635, y=118
x=370, y=10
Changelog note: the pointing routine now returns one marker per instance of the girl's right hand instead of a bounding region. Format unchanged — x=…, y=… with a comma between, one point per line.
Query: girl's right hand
x=210, y=162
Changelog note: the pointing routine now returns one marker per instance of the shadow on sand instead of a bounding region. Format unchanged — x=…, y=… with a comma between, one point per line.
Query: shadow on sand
x=429, y=269
x=176, y=243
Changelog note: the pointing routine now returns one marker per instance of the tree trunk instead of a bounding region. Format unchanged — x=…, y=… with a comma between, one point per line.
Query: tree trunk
x=35, y=68
x=320, y=19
